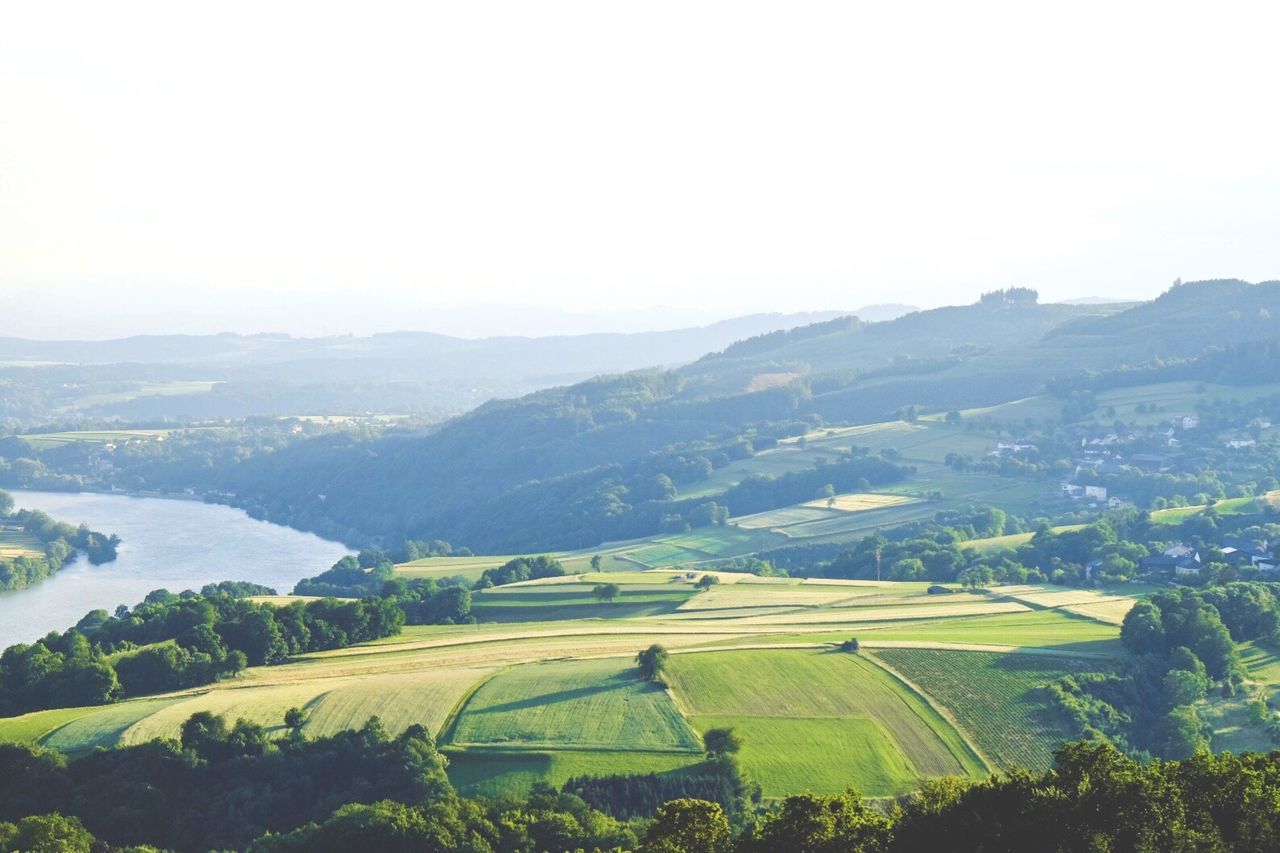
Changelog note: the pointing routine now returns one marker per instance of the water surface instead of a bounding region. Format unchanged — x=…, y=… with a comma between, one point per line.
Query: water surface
x=174, y=544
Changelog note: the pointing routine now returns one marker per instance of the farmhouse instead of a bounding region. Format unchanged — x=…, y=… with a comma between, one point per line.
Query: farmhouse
x=1178, y=560
x=1151, y=462
x=1243, y=552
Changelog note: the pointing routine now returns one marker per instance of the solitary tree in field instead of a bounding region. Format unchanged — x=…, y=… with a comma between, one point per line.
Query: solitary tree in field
x=850, y=645
x=707, y=581
x=651, y=662
x=595, y=562
x=606, y=591
x=721, y=742
x=294, y=718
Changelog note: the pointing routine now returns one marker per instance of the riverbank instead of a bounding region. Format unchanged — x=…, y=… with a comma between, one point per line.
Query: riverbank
x=167, y=543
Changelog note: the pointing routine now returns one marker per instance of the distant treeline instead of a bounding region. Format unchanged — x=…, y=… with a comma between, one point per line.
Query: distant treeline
x=60, y=541
x=1246, y=363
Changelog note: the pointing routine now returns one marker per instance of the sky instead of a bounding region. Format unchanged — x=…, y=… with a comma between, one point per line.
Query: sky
x=485, y=167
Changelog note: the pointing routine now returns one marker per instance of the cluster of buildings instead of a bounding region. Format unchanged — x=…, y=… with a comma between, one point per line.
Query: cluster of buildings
x=1184, y=561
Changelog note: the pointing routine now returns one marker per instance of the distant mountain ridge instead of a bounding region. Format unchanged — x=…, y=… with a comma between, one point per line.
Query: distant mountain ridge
x=666, y=347
x=576, y=464
x=561, y=465
x=395, y=372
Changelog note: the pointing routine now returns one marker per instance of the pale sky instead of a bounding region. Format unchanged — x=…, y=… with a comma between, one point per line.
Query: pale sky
x=311, y=167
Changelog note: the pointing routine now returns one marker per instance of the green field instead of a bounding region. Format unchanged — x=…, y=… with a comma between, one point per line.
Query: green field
x=819, y=720
x=549, y=694
x=511, y=773
x=148, y=389
x=996, y=698
x=595, y=704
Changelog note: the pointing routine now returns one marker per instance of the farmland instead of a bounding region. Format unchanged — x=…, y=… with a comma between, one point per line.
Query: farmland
x=17, y=543
x=550, y=690
x=588, y=704
x=824, y=715
x=997, y=698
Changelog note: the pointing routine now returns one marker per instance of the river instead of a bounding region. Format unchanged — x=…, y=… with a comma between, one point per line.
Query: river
x=170, y=544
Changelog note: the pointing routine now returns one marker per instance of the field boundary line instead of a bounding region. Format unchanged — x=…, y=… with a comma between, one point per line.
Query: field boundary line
x=937, y=707
x=451, y=720
x=937, y=645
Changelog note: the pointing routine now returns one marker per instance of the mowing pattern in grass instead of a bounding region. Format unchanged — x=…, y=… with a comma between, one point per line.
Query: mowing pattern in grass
x=262, y=705
x=590, y=704
x=104, y=728
x=1041, y=628
x=996, y=698
x=820, y=721
x=399, y=700
x=738, y=595
x=32, y=728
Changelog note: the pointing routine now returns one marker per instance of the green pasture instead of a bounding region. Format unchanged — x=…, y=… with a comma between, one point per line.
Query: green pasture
x=585, y=704
x=819, y=720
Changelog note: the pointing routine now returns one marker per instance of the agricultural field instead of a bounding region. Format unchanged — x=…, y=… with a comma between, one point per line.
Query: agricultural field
x=826, y=719
x=856, y=502
x=47, y=440
x=586, y=704
x=552, y=691
x=1083, y=602
x=996, y=698
x=148, y=389
x=443, y=567
x=18, y=543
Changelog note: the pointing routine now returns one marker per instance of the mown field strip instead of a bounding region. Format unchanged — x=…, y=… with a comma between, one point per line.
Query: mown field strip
x=1111, y=612
x=583, y=704
x=737, y=596
x=107, y=726
x=425, y=697
x=885, y=614
x=860, y=502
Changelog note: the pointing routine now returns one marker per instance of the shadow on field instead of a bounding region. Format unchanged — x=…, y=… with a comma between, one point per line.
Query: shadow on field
x=541, y=699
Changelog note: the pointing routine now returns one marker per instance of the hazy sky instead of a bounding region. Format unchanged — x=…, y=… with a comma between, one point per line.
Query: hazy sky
x=312, y=167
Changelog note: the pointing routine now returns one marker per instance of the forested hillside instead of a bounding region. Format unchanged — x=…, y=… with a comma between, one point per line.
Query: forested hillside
x=614, y=457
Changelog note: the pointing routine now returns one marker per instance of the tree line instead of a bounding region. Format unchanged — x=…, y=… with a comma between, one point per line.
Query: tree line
x=227, y=786
x=173, y=641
